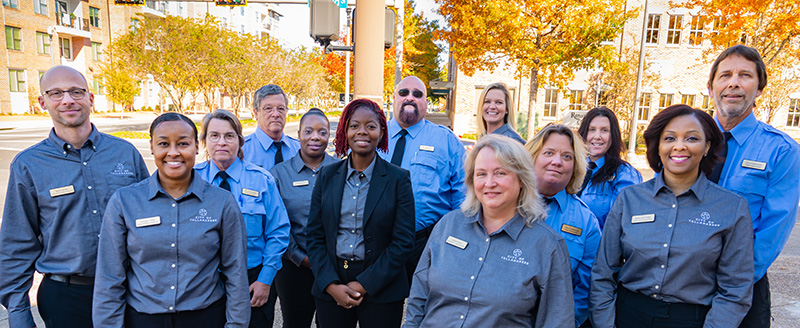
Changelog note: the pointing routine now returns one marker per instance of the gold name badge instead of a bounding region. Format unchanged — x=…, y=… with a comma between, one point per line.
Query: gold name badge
x=146, y=222
x=754, y=165
x=300, y=183
x=55, y=192
x=426, y=148
x=456, y=242
x=571, y=230
x=644, y=218
x=249, y=192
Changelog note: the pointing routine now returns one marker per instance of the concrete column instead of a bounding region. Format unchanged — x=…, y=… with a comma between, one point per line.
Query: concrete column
x=368, y=75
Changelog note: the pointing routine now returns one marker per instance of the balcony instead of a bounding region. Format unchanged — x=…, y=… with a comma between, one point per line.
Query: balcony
x=155, y=9
x=69, y=24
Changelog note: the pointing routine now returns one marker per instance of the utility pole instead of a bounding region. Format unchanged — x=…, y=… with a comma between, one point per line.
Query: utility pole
x=638, y=94
x=398, y=50
x=347, y=37
x=368, y=75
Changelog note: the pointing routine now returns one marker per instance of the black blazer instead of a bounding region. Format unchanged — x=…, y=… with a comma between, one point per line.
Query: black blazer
x=388, y=231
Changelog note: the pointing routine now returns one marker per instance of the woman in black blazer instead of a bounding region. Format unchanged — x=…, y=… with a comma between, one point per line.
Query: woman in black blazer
x=360, y=227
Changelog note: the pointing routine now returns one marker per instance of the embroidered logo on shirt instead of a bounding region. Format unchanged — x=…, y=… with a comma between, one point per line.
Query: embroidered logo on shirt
x=202, y=216
x=120, y=170
x=516, y=257
x=705, y=219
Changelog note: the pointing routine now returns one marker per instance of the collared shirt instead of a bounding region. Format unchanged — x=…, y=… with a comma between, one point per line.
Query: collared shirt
x=468, y=278
x=435, y=159
x=264, y=215
x=350, y=238
x=763, y=165
x=54, y=209
x=259, y=149
x=508, y=131
x=696, y=248
x=572, y=218
x=296, y=181
x=599, y=197
x=159, y=254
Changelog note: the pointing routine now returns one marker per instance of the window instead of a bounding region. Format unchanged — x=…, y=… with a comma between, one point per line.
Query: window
x=61, y=7
x=42, y=43
x=716, y=25
x=16, y=79
x=664, y=101
x=708, y=106
x=653, y=24
x=794, y=113
x=13, y=38
x=696, y=30
x=11, y=3
x=40, y=7
x=687, y=100
x=97, y=86
x=550, y=102
x=576, y=100
x=94, y=16
x=66, y=49
x=674, y=29
x=96, y=51
x=643, y=108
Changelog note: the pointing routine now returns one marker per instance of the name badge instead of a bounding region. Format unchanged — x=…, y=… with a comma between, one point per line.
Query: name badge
x=571, y=230
x=146, y=222
x=644, y=218
x=300, y=183
x=754, y=165
x=426, y=148
x=249, y=192
x=55, y=192
x=456, y=242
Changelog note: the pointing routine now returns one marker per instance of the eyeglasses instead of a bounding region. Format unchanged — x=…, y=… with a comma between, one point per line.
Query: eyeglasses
x=229, y=137
x=74, y=93
x=404, y=93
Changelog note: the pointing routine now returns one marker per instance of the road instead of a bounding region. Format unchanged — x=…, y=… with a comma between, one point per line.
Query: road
x=784, y=274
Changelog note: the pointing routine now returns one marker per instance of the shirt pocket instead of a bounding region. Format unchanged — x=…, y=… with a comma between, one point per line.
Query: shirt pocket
x=425, y=168
x=254, y=215
x=752, y=187
x=575, y=246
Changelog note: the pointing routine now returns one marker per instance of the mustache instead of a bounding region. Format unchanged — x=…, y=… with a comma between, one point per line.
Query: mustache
x=410, y=103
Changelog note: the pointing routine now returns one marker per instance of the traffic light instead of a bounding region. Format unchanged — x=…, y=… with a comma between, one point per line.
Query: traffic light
x=129, y=2
x=231, y=2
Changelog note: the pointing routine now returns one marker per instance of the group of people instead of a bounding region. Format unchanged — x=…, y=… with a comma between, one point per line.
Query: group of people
x=555, y=231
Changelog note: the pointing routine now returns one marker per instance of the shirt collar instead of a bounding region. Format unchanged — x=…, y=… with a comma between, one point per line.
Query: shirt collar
x=698, y=189
x=512, y=228
x=297, y=163
x=503, y=128
x=235, y=171
x=560, y=199
x=367, y=172
x=266, y=141
x=743, y=130
x=195, y=188
x=413, y=130
x=91, y=143
x=599, y=162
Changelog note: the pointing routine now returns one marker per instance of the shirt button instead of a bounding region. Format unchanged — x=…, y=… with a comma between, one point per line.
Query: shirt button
x=98, y=235
x=84, y=163
x=171, y=287
x=480, y=259
x=354, y=214
x=665, y=245
x=90, y=187
x=354, y=197
x=462, y=316
x=656, y=286
x=173, y=225
x=466, y=298
x=173, y=244
x=94, y=212
x=352, y=231
x=173, y=204
x=173, y=265
x=654, y=295
x=171, y=308
x=472, y=278
x=351, y=246
x=662, y=266
x=669, y=225
x=487, y=240
x=673, y=205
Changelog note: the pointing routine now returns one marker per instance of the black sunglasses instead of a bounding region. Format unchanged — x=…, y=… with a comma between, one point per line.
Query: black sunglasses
x=404, y=93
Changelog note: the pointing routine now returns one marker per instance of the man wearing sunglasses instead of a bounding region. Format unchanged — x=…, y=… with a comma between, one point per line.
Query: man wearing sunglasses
x=432, y=154
x=57, y=193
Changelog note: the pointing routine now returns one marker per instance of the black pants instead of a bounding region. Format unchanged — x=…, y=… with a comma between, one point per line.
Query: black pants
x=212, y=317
x=760, y=314
x=420, y=240
x=264, y=315
x=635, y=310
x=65, y=305
x=294, y=290
x=367, y=315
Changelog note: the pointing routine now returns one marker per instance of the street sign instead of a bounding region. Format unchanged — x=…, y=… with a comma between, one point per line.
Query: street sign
x=341, y=3
x=231, y=2
x=129, y=2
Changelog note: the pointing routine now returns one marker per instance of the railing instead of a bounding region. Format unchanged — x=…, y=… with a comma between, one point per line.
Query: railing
x=72, y=21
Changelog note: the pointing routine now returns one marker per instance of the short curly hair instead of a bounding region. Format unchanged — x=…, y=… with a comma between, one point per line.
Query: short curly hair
x=340, y=141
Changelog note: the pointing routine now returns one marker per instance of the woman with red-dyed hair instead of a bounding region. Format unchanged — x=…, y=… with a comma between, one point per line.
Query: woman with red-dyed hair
x=360, y=227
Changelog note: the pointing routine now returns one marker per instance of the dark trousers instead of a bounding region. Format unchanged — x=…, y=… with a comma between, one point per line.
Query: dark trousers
x=635, y=310
x=64, y=305
x=760, y=314
x=420, y=240
x=294, y=290
x=213, y=316
x=366, y=315
x=262, y=316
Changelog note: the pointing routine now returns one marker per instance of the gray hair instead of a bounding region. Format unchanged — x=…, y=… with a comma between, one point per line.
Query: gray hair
x=514, y=158
x=268, y=90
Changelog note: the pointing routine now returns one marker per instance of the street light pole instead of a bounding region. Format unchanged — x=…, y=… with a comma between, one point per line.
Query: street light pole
x=637, y=95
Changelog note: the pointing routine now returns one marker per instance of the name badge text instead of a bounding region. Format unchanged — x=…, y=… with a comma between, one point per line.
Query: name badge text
x=456, y=242
x=754, y=165
x=300, y=183
x=644, y=218
x=249, y=192
x=146, y=222
x=426, y=148
x=55, y=192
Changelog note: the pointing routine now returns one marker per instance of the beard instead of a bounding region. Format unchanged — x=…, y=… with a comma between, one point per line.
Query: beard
x=409, y=117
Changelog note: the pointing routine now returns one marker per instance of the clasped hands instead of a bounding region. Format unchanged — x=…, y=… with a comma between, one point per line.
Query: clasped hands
x=348, y=295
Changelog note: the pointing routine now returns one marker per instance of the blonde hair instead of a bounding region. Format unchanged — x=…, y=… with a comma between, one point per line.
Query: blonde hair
x=509, y=118
x=578, y=148
x=514, y=158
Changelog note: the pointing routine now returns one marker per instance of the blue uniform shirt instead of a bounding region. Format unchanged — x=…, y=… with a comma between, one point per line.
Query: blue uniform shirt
x=600, y=197
x=508, y=131
x=262, y=208
x=54, y=209
x=259, y=149
x=763, y=165
x=435, y=159
x=159, y=254
x=576, y=223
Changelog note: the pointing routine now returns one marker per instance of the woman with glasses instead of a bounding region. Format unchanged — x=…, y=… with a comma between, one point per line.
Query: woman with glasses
x=254, y=190
x=495, y=113
x=172, y=247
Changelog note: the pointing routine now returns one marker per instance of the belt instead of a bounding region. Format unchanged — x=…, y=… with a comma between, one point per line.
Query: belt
x=75, y=280
x=425, y=232
x=658, y=308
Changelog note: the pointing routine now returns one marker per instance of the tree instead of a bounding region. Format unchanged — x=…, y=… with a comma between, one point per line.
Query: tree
x=545, y=39
x=420, y=52
x=120, y=81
